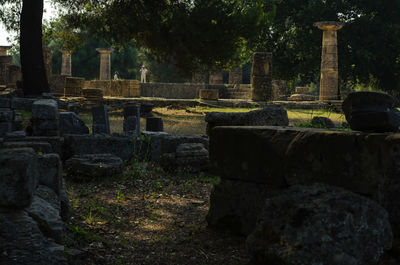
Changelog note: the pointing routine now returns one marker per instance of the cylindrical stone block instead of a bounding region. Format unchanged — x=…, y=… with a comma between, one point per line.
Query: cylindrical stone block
x=105, y=63
x=216, y=78
x=66, y=64
x=261, y=76
x=236, y=76
x=302, y=90
x=154, y=124
x=329, y=60
x=209, y=94
x=199, y=78
x=261, y=88
x=47, y=56
x=4, y=49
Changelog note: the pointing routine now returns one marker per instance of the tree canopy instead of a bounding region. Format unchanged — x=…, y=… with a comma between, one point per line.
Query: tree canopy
x=368, y=45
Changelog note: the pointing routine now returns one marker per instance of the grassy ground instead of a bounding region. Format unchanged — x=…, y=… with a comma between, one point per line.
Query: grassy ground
x=191, y=120
x=147, y=216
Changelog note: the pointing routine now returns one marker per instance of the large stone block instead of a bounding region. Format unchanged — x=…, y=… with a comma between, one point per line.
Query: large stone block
x=5, y=103
x=320, y=224
x=55, y=142
x=22, y=242
x=38, y=147
x=18, y=177
x=45, y=109
x=5, y=127
x=209, y=94
x=71, y=123
x=22, y=103
x=121, y=146
x=50, y=171
x=47, y=218
x=236, y=205
x=93, y=166
x=362, y=163
x=101, y=123
x=371, y=112
x=270, y=115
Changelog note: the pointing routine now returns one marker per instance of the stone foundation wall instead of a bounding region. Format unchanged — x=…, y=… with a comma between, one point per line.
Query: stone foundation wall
x=116, y=88
x=171, y=90
x=280, y=157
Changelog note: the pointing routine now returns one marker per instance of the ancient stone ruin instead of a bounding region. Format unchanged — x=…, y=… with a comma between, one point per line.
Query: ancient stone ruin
x=261, y=76
x=329, y=60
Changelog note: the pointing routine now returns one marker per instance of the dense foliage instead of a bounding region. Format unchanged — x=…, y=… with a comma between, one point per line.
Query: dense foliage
x=368, y=45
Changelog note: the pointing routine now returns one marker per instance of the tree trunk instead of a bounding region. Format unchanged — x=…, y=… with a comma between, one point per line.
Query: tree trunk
x=32, y=63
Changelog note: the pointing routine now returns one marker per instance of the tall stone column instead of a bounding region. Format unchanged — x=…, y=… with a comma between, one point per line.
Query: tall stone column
x=4, y=49
x=329, y=60
x=261, y=76
x=236, y=76
x=216, y=78
x=105, y=63
x=47, y=58
x=66, y=63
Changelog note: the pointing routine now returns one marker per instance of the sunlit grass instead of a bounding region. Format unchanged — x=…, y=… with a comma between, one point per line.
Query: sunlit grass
x=191, y=119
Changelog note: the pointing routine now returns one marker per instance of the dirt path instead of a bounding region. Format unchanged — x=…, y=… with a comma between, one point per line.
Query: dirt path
x=147, y=216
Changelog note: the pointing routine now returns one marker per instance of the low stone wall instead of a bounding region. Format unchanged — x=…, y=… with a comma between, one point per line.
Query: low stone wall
x=116, y=88
x=275, y=158
x=171, y=90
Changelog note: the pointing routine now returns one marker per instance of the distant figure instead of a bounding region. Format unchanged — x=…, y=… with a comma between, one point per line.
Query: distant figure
x=116, y=75
x=143, y=72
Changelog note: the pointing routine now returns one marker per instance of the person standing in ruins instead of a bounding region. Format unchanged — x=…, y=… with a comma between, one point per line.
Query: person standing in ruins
x=116, y=76
x=143, y=72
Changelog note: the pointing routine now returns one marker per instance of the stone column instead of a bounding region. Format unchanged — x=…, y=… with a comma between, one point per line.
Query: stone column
x=261, y=76
x=199, y=78
x=329, y=60
x=236, y=76
x=216, y=78
x=47, y=56
x=5, y=63
x=4, y=49
x=66, y=63
x=105, y=63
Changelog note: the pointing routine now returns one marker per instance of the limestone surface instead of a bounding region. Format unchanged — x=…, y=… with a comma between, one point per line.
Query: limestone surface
x=371, y=112
x=18, y=177
x=271, y=115
x=93, y=166
x=71, y=123
x=320, y=224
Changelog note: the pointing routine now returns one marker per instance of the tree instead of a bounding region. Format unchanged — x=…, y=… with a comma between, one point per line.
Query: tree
x=192, y=34
x=31, y=48
x=368, y=45
x=26, y=16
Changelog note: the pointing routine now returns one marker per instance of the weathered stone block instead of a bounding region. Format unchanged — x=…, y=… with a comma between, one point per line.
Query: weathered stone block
x=22, y=103
x=22, y=242
x=209, y=94
x=38, y=147
x=101, y=123
x=5, y=103
x=130, y=124
x=50, y=171
x=301, y=97
x=71, y=123
x=6, y=115
x=154, y=124
x=5, y=127
x=320, y=224
x=121, y=146
x=18, y=177
x=270, y=115
x=372, y=112
x=55, y=142
x=93, y=166
x=235, y=205
x=47, y=218
x=45, y=109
